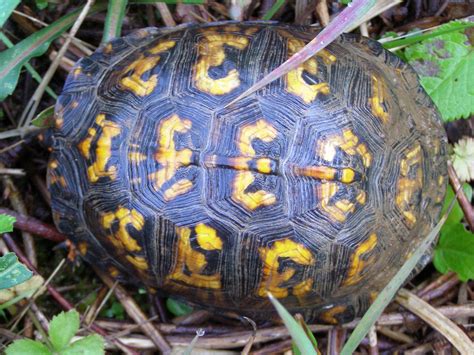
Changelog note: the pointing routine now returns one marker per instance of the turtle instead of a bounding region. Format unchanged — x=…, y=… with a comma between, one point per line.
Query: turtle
x=315, y=189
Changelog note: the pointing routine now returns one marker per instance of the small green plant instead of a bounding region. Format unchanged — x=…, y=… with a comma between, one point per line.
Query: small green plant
x=12, y=272
x=443, y=63
x=62, y=329
x=177, y=308
x=455, y=249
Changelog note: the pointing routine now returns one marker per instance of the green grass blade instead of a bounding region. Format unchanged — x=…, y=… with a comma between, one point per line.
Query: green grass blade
x=297, y=333
x=6, y=9
x=418, y=37
x=273, y=10
x=13, y=59
x=387, y=294
x=34, y=74
x=114, y=19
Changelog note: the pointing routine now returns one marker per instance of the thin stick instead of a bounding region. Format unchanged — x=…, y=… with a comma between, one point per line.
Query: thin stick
x=38, y=292
x=462, y=198
x=165, y=14
x=458, y=338
x=12, y=172
x=134, y=311
x=373, y=347
x=34, y=226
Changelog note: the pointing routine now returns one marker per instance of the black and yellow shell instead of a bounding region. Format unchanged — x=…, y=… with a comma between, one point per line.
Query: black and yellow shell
x=315, y=189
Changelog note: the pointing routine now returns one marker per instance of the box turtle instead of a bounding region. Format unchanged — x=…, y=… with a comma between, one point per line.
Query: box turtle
x=316, y=188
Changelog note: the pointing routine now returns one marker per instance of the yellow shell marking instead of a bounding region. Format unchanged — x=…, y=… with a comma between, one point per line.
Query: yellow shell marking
x=138, y=262
x=409, y=184
x=82, y=246
x=211, y=53
x=134, y=82
x=330, y=315
x=347, y=142
x=377, y=99
x=251, y=200
x=122, y=239
x=103, y=148
x=113, y=271
x=193, y=260
x=273, y=278
x=178, y=188
x=358, y=264
x=54, y=177
x=327, y=149
x=296, y=84
x=171, y=159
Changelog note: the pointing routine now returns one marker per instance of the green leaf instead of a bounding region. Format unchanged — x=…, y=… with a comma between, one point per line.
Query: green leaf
x=90, y=345
x=13, y=59
x=455, y=251
x=296, y=331
x=115, y=311
x=28, y=67
x=6, y=9
x=12, y=272
x=416, y=36
x=6, y=223
x=41, y=4
x=27, y=346
x=114, y=19
x=445, y=64
x=45, y=118
x=178, y=308
x=62, y=328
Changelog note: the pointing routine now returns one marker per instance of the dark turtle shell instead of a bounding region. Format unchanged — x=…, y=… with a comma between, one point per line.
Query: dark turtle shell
x=316, y=188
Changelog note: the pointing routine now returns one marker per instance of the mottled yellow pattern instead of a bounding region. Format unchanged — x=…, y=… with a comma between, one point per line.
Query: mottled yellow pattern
x=326, y=148
x=330, y=315
x=139, y=67
x=122, y=239
x=273, y=278
x=171, y=159
x=103, y=148
x=360, y=261
x=409, y=183
x=247, y=134
x=211, y=53
x=377, y=99
x=296, y=84
x=193, y=260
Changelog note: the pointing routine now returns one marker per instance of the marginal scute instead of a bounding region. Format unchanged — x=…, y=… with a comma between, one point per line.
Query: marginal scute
x=410, y=184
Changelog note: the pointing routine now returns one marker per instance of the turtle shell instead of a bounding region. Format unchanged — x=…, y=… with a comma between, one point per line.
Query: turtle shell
x=316, y=188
